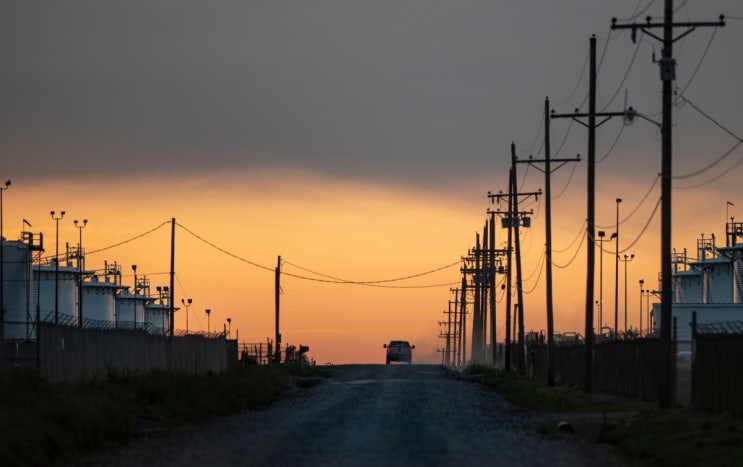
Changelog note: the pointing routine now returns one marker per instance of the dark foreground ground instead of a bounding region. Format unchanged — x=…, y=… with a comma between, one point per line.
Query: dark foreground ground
x=373, y=415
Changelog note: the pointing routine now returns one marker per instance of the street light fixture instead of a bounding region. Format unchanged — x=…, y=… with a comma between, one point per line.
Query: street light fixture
x=187, y=304
x=56, y=267
x=80, y=227
x=2, y=261
x=134, y=268
x=602, y=236
x=208, y=328
x=642, y=282
x=627, y=259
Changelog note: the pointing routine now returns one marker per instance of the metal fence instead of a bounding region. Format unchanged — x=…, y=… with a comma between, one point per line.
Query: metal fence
x=628, y=367
x=70, y=352
x=717, y=367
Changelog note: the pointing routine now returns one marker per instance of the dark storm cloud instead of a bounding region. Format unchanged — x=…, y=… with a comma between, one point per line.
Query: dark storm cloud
x=411, y=89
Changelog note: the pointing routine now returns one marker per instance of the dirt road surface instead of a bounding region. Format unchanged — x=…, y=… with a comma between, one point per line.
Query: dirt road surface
x=373, y=415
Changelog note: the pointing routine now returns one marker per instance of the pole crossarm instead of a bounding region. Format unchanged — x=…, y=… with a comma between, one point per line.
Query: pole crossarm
x=532, y=162
x=643, y=27
x=576, y=115
x=500, y=195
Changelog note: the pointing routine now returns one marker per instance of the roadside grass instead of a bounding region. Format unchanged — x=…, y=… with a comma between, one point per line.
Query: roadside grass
x=46, y=423
x=678, y=437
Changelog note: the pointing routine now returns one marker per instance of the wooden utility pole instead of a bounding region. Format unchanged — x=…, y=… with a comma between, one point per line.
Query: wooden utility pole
x=277, y=346
x=509, y=263
x=548, y=235
x=512, y=220
x=463, y=321
x=667, y=75
x=493, y=291
x=172, y=279
x=476, y=353
x=519, y=277
x=591, y=206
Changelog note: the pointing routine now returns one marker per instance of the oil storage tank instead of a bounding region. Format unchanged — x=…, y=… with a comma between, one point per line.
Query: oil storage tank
x=17, y=286
x=57, y=292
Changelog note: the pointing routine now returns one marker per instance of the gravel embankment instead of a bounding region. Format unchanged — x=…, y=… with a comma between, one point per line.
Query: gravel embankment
x=372, y=415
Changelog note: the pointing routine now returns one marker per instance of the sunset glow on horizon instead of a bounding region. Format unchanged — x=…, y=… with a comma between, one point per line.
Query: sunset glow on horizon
x=358, y=141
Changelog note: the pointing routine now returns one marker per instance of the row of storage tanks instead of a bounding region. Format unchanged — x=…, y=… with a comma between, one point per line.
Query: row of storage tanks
x=716, y=277
x=30, y=292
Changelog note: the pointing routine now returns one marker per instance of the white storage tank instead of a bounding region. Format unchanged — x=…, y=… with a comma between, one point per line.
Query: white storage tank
x=67, y=292
x=719, y=280
x=16, y=287
x=687, y=286
x=157, y=317
x=99, y=303
x=130, y=310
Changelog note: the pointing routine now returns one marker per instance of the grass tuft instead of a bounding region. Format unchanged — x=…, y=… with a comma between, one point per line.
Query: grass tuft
x=44, y=423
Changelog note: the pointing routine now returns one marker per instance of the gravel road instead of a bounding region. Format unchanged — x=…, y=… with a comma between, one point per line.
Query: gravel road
x=407, y=415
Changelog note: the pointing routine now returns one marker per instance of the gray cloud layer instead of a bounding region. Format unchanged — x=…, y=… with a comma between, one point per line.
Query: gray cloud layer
x=403, y=89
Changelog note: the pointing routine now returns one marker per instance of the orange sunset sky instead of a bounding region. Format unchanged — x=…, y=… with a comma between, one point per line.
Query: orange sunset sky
x=357, y=140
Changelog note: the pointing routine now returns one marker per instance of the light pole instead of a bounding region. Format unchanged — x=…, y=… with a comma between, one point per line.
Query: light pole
x=134, y=268
x=641, y=291
x=616, y=276
x=56, y=267
x=627, y=259
x=187, y=304
x=208, y=328
x=2, y=261
x=602, y=235
x=229, y=327
x=80, y=227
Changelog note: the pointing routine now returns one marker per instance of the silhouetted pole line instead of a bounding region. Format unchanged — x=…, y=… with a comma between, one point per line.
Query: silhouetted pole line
x=667, y=66
x=277, y=295
x=493, y=291
x=463, y=318
x=512, y=221
x=171, y=297
x=591, y=204
x=485, y=275
x=476, y=352
x=548, y=170
x=457, y=329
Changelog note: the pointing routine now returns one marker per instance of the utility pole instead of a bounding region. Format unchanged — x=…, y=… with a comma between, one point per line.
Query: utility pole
x=591, y=208
x=477, y=343
x=463, y=321
x=493, y=291
x=513, y=220
x=457, y=330
x=667, y=75
x=277, y=348
x=517, y=246
x=171, y=304
x=548, y=235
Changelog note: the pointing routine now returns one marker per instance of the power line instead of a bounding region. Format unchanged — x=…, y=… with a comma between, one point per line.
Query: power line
x=329, y=281
x=642, y=232
x=637, y=207
x=346, y=281
x=577, y=250
x=570, y=178
x=624, y=78
x=721, y=174
x=223, y=250
x=128, y=240
x=616, y=140
x=701, y=59
x=575, y=239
